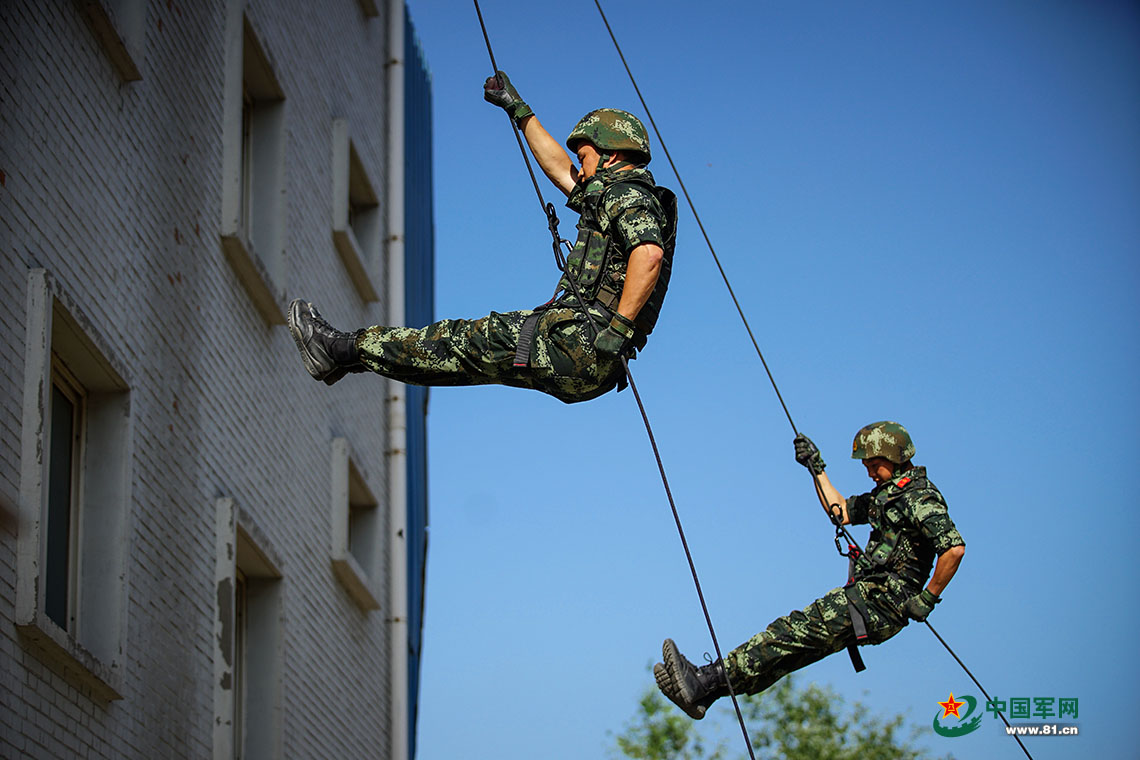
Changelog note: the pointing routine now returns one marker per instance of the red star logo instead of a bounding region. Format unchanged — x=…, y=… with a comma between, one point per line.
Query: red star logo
x=950, y=707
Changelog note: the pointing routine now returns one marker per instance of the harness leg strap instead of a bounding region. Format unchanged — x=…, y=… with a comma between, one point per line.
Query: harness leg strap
x=858, y=625
x=526, y=339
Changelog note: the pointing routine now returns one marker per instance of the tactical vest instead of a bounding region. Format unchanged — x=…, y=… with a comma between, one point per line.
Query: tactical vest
x=598, y=266
x=888, y=525
x=889, y=522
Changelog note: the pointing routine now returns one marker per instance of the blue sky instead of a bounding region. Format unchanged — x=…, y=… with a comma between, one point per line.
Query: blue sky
x=930, y=213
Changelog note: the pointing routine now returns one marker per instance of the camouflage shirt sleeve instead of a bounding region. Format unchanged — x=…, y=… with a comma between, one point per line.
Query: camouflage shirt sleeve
x=635, y=217
x=928, y=510
x=857, y=508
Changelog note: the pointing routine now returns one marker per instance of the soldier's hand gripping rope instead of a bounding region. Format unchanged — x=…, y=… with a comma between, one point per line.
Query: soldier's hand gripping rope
x=920, y=606
x=807, y=454
x=499, y=91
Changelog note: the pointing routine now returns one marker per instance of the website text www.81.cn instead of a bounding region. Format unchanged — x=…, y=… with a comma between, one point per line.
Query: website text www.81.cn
x=1043, y=729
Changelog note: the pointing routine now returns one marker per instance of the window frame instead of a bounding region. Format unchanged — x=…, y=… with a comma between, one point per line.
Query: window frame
x=254, y=143
x=241, y=659
x=357, y=221
x=360, y=570
x=64, y=351
x=248, y=638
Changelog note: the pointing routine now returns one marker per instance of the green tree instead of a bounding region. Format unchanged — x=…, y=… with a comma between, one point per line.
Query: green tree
x=657, y=732
x=787, y=722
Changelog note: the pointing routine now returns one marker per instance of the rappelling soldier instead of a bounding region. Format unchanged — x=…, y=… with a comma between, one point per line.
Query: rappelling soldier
x=910, y=531
x=606, y=303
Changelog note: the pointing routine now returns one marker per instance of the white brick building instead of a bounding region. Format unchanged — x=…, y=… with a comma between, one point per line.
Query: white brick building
x=204, y=553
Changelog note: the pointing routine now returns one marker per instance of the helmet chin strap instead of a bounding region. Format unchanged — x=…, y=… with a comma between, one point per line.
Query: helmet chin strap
x=601, y=169
x=605, y=158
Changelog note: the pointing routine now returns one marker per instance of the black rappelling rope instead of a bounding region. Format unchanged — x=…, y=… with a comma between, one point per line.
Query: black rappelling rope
x=689, y=557
x=547, y=208
x=696, y=216
x=836, y=519
x=553, y=222
x=978, y=683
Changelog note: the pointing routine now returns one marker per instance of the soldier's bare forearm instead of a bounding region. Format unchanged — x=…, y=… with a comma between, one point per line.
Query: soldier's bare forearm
x=829, y=495
x=549, y=153
x=945, y=568
x=640, y=279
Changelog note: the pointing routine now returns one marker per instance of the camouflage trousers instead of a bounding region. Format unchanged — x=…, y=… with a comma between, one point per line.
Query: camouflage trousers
x=453, y=352
x=824, y=627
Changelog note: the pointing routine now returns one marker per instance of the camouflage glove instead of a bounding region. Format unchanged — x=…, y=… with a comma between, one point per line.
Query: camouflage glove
x=499, y=90
x=921, y=605
x=614, y=341
x=807, y=454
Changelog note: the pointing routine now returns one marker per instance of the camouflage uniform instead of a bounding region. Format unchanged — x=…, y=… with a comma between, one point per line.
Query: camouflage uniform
x=910, y=529
x=620, y=210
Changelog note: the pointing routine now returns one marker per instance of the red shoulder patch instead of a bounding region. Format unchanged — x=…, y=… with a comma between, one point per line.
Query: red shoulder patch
x=902, y=483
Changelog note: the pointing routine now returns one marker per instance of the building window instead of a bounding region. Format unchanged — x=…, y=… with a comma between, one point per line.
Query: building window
x=253, y=165
x=263, y=138
x=61, y=536
x=247, y=697
x=356, y=214
x=356, y=530
x=75, y=478
x=247, y=167
x=363, y=206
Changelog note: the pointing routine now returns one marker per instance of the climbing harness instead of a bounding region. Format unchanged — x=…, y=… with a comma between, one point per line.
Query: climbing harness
x=856, y=605
x=854, y=552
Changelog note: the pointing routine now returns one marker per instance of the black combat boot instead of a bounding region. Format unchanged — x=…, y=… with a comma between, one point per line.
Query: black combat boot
x=691, y=688
x=328, y=353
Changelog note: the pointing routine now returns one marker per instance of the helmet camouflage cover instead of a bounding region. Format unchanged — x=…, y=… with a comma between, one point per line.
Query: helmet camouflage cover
x=611, y=129
x=886, y=439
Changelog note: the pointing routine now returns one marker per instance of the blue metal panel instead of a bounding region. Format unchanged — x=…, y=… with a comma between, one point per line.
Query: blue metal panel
x=419, y=292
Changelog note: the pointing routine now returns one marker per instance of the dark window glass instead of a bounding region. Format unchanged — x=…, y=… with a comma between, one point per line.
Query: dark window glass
x=57, y=558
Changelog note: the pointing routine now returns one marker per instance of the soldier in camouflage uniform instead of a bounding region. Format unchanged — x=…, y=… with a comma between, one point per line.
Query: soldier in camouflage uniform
x=911, y=530
x=606, y=302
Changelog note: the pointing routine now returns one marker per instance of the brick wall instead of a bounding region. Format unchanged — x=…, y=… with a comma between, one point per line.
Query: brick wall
x=114, y=188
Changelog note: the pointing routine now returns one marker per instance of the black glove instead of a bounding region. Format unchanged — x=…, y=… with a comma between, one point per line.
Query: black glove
x=807, y=454
x=921, y=605
x=615, y=340
x=499, y=90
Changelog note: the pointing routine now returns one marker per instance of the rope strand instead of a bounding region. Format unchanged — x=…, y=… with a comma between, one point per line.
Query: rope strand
x=697, y=217
x=547, y=209
x=688, y=555
x=978, y=683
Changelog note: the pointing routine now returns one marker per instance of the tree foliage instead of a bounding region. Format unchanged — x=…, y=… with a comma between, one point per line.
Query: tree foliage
x=658, y=732
x=787, y=722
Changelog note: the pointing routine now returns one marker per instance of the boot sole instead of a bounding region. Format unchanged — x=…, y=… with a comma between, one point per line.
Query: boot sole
x=669, y=689
x=670, y=673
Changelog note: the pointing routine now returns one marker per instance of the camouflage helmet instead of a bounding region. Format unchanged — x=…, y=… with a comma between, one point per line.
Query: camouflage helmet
x=886, y=439
x=612, y=129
